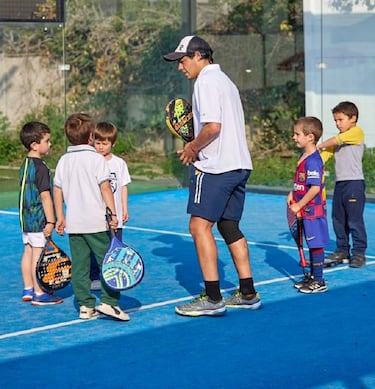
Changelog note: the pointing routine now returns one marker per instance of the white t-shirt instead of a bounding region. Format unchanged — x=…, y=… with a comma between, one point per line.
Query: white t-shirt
x=78, y=174
x=216, y=99
x=120, y=177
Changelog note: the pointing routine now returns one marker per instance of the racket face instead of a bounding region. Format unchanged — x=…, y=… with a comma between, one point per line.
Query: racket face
x=179, y=119
x=54, y=268
x=122, y=266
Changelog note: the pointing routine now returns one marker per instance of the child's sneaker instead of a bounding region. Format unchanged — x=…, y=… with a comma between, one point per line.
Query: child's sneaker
x=86, y=313
x=113, y=311
x=46, y=299
x=305, y=280
x=336, y=258
x=238, y=300
x=314, y=287
x=200, y=306
x=28, y=294
x=357, y=261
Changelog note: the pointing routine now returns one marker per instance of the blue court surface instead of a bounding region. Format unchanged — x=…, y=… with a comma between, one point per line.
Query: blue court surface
x=323, y=340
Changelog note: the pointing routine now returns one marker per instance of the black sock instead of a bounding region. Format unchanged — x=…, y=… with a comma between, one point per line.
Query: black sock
x=213, y=290
x=247, y=286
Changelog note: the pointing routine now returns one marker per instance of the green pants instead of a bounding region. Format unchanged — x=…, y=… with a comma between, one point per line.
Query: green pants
x=81, y=245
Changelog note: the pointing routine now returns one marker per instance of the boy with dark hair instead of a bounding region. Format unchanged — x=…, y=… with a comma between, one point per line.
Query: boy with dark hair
x=220, y=165
x=37, y=216
x=308, y=197
x=82, y=181
x=349, y=197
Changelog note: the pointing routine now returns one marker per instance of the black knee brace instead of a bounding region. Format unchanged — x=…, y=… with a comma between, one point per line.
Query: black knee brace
x=229, y=230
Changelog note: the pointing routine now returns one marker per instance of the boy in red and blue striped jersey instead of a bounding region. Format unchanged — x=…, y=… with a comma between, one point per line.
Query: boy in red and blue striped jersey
x=308, y=197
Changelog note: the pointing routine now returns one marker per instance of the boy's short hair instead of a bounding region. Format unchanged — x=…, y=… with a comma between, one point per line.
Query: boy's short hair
x=347, y=108
x=106, y=131
x=33, y=132
x=311, y=125
x=78, y=128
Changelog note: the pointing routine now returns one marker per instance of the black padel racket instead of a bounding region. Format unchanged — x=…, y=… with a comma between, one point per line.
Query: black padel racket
x=54, y=268
x=179, y=119
x=295, y=224
x=122, y=267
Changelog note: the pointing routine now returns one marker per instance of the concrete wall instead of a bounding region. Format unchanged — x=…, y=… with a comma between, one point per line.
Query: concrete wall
x=26, y=84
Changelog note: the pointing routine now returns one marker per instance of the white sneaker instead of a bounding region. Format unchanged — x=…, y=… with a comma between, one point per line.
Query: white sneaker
x=113, y=311
x=86, y=313
x=95, y=285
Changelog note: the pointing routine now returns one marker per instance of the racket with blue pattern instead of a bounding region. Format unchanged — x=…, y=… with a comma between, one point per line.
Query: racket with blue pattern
x=122, y=267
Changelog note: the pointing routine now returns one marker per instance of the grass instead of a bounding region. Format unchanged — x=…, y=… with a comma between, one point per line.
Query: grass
x=152, y=172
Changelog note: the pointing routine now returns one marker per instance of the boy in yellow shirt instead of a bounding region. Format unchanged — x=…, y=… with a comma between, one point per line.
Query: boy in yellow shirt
x=349, y=193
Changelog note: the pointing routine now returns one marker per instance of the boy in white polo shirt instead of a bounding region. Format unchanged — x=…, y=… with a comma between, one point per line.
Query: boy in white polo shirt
x=82, y=182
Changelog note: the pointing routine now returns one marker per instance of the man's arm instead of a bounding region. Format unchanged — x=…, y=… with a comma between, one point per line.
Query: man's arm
x=208, y=133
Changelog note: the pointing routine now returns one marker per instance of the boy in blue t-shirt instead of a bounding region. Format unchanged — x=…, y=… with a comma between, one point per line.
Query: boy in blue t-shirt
x=37, y=216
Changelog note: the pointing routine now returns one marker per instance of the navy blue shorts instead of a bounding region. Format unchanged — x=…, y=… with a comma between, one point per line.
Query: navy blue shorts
x=217, y=196
x=316, y=232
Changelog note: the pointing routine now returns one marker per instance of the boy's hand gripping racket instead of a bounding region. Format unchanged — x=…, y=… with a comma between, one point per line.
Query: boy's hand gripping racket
x=122, y=266
x=179, y=119
x=54, y=268
x=295, y=224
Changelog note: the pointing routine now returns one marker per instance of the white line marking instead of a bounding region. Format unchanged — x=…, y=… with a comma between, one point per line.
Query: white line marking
x=9, y=213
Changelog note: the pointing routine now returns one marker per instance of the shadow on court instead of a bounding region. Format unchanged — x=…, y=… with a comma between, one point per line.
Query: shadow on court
x=324, y=340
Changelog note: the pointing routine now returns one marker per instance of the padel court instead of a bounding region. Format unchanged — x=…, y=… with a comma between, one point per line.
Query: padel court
x=324, y=340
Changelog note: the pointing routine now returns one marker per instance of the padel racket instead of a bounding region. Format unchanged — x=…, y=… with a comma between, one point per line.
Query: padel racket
x=295, y=224
x=179, y=119
x=54, y=268
x=122, y=267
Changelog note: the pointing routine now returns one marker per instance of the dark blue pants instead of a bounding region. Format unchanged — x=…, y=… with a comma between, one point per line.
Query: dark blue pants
x=347, y=214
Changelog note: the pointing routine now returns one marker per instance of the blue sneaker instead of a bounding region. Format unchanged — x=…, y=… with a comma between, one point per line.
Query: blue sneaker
x=238, y=300
x=202, y=305
x=28, y=294
x=46, y=299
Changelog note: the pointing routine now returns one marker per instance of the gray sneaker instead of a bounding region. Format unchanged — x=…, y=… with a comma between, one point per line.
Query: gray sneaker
x=237, y=300
x=202, y=305
x=336, y=258
x=357, y=261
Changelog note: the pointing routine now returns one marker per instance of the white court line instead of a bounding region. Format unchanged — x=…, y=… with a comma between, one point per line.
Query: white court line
x=9, y=212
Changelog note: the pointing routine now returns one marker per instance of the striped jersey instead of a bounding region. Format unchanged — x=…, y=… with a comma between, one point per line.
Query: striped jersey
x=310, y=172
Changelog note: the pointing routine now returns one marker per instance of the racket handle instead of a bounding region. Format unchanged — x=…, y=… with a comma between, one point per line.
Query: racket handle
x=108, y=217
